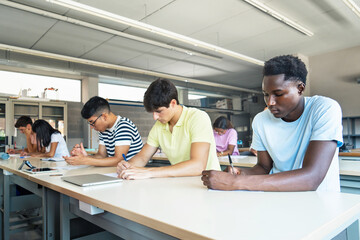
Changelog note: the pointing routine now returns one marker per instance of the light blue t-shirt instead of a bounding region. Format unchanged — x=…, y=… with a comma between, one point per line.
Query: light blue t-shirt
x=287, y=142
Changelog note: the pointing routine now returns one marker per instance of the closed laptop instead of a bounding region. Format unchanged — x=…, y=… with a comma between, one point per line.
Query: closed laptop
x=90, y=179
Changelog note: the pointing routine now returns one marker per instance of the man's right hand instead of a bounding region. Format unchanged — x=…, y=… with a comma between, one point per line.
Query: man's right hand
x=122, y=165
x=78, y=150
x=229, y=169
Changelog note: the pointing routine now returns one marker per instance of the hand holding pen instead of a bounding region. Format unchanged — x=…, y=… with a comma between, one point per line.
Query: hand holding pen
x=122, y=165
x=231, y=164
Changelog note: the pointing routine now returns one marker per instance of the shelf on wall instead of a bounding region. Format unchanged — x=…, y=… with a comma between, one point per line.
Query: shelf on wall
x=26, y=114
x=49, y=116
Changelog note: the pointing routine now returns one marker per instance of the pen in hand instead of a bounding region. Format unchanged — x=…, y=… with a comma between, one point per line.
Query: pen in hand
x=231, y=164
x=124, y=157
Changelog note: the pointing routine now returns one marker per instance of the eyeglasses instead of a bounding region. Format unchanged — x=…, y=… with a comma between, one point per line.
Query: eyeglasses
x=93, y=123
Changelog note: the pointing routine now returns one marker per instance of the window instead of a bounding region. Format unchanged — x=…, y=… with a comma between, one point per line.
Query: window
x=195, y=96
x=31, y=85
x=119, y=92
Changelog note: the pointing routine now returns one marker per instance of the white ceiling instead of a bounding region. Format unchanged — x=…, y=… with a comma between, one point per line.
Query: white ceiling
x=230, y=24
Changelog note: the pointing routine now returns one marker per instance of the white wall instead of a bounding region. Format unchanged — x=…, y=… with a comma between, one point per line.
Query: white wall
x=334, y=75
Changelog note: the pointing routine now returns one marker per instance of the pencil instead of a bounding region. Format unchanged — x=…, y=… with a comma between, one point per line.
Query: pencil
x=231, y=164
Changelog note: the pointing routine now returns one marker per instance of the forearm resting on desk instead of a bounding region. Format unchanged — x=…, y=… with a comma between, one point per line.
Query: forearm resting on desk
x=96, y=160
x=186, y=168
x=229, y=150
x=316, y=163
x=295, y=180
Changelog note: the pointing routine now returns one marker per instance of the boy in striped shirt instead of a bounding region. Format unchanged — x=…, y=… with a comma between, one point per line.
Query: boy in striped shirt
x=118, y=136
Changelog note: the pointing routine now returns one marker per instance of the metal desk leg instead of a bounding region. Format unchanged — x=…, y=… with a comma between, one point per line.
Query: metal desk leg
x=65, y=217
x=6, y=204
x=50, y=205
x=353, y=231
x=1, y=202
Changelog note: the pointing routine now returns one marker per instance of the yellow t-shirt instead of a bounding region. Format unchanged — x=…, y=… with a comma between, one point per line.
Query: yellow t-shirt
x=193, y=125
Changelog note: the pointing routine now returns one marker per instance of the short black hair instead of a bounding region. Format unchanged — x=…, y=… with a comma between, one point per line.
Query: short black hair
x=292, y=67
x=23, y=121
x=223, y=123
x=95, y=105
x=159, y=94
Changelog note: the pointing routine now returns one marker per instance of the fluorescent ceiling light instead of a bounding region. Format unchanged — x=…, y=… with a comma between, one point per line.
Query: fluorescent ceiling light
x=353, y=6
x=107, y=30
x=119, y=67
x=147, y=27
x=280, y=17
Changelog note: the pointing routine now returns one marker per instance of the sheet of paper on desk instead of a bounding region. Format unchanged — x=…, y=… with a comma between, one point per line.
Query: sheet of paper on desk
x=53, y=159
x=234, y=158
x=71, y=167
x=18, y=155
x=115, y=175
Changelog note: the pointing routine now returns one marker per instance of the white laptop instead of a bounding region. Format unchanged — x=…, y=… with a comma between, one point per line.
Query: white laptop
x=90, y=179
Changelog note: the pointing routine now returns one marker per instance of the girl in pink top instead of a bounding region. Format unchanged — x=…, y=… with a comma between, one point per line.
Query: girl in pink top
x=225, y=137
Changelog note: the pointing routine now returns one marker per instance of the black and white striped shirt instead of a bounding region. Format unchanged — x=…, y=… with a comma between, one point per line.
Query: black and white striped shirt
x=124, y=132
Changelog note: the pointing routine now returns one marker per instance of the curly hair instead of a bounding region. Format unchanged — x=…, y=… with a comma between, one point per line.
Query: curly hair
x=159, y=94
x=292, y=67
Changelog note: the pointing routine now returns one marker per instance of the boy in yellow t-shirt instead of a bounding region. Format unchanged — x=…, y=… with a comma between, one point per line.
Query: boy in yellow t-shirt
x=183, y=134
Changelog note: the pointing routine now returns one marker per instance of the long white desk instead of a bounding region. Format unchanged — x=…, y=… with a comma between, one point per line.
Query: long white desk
x=183, y=208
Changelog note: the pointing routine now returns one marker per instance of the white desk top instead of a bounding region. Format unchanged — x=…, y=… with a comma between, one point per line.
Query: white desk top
x=184, y=208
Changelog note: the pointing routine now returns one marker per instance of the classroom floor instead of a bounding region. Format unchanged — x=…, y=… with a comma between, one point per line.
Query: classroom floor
x=30, y=235
x=36, y=233
x=33, y=234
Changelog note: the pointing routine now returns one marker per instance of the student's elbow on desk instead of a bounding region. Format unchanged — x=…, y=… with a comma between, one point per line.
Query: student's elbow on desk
x=311, y=179
x=197, y=166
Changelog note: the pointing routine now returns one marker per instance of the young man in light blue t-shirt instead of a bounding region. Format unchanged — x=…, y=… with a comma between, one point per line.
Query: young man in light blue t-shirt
x=297, y=137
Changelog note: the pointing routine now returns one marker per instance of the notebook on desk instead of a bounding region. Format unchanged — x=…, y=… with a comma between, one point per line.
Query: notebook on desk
x=90, y=179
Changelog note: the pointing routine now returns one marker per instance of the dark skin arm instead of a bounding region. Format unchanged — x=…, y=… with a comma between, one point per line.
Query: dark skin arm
x=316, y=163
